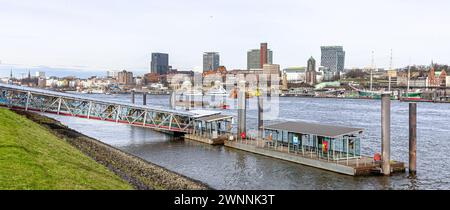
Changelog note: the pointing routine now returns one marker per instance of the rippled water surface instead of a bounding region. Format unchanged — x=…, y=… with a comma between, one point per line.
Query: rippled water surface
x=226, y=168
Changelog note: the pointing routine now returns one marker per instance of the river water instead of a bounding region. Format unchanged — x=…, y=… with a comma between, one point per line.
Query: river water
x=226, y=168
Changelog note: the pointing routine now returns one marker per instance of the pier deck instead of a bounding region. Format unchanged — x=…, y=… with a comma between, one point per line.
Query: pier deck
x=206, y=140
x=359, y=166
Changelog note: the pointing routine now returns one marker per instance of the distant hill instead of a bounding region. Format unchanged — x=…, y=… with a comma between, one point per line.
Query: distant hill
x=19, y=71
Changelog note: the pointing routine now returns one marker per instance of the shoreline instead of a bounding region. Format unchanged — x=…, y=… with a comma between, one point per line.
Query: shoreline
x=360, y=98
x=141, y=174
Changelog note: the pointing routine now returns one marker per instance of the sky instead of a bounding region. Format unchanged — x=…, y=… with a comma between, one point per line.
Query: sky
x=115, y=34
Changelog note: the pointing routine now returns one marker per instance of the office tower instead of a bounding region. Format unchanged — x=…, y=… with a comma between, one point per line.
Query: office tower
x=254, y=58
x=263, y=55
x=333, y=57
x=211, y=61
x=125, y=78
x=160, y=63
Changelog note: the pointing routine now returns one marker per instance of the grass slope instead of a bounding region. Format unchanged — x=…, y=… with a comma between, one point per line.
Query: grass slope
x=32, y=158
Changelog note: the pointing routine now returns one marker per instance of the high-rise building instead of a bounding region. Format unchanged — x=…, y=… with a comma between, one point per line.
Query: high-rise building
x=160, y=63
x=254, y=58
x=333, y=57
x=211, y=61
x=263, y=55
x=125, y=78
x=311, y=71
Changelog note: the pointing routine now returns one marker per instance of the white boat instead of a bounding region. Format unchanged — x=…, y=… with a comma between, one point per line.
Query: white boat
x=217, y=92
x=97, y=91
x=192, y=93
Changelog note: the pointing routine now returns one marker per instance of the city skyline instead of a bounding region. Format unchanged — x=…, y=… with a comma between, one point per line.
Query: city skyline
x=101, y=36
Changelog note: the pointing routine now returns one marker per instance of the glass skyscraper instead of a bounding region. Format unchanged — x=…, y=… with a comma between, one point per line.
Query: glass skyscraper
x=211, y=61
x=333, y=57
x=160, y=63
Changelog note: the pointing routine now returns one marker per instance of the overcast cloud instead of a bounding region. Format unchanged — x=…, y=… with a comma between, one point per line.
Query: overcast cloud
x=107, y=34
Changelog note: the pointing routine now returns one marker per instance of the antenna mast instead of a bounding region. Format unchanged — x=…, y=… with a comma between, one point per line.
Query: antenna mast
x=409, y=75
x=390, y=63
x=371, y=70
x=389, y=73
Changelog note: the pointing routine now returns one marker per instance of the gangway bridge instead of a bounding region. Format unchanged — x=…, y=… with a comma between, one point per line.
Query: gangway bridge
x=46, y=101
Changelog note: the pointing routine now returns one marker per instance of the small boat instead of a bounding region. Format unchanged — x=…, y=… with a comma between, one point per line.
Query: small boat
x=217, y=92
x=413, y=95
x=97, y=91
x=192, y=93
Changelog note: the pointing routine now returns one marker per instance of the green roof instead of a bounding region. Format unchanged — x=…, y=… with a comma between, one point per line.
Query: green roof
x=438, y=73
x=296, y=68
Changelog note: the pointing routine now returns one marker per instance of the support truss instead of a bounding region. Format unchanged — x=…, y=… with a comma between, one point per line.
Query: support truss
x=60, y=104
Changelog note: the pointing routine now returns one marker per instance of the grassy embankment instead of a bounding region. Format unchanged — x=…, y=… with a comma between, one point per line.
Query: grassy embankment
x=33, y=158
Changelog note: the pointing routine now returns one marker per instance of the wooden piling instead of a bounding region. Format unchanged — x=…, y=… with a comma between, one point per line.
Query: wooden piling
x=386, y=133
x=412, y=137
x=144, y=99
x=132, y=96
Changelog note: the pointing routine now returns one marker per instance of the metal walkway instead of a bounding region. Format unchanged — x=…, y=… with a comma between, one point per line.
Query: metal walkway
x=40, y=100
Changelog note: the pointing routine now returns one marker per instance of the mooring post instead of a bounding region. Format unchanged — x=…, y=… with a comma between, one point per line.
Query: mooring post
x=260, y=109
x=132, y=96
x=241, y=110
x=434, y=95
x=386, y=133
x=412, y=137
x=203, y=104
x=187, y=105
x=260, y=116
x=144, y=99
x=172, y=100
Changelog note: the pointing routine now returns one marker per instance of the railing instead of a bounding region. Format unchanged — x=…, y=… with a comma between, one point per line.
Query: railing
x=309, y=152
x=72, y=105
